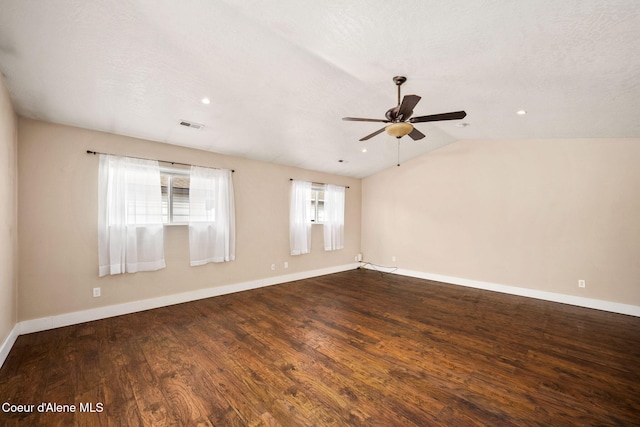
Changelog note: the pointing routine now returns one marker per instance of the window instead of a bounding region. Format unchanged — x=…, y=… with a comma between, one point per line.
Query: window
x=136, y=199
x=317, y=203
x=313, y=203
x=175, y=196
x=201, y=198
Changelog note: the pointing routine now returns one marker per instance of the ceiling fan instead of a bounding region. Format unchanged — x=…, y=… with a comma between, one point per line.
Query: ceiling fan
x=400, y=117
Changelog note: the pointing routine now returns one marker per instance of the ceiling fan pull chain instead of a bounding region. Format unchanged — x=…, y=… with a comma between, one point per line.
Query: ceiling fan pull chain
x=398, y=151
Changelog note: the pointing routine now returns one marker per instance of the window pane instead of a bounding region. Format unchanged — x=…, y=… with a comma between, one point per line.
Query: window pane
x=320, y=217
x=180, y=204
x=175, y=198
x=180, y=187
x=317, y=204
x=164, y=187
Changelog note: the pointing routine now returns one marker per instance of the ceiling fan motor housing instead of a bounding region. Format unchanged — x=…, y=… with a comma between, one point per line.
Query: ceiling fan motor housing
x=392, y=114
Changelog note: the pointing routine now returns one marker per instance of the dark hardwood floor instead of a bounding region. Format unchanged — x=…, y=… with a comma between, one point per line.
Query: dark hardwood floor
x=354, y=348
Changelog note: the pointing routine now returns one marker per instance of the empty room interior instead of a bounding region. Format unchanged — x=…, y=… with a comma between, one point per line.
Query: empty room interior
x=303, y=213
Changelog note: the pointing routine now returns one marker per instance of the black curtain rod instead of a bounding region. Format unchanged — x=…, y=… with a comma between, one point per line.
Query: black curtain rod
x=323, y=183
x=163, y=161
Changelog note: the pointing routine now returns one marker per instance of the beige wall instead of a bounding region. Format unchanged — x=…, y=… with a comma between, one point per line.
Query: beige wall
x=8, y=213
x=532, y=214
x=58, y=223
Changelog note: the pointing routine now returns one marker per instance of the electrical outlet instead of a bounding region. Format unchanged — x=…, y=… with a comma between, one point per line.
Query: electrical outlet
x=393, y=258
x=96, y=292
x=273, y=266
x=582, y=284
x=286, y=264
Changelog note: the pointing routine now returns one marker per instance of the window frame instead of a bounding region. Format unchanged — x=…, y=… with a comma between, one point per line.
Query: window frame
x=171, y=173
x=316, y=188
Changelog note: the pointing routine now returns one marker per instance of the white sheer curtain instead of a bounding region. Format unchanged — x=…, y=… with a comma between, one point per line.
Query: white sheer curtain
x=130, y=231
x=334, y=217
x=300, y=218
x=212, y=220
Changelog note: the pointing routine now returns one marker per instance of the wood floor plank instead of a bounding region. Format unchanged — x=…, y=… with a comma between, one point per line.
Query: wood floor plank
x=248, y=367
x=151, y=403
x=357, y=348
x=333, y=335
x=120, y=405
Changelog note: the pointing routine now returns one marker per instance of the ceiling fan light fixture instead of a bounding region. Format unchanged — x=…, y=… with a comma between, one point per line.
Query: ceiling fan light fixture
x=399, y=129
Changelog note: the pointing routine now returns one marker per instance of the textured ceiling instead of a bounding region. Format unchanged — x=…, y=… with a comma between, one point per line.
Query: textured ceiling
x=281, y=74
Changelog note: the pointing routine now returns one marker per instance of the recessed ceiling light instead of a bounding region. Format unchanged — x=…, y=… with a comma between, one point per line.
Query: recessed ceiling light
x=521, y=112
x=462, y=125
x=206, y=101
x=364, y=150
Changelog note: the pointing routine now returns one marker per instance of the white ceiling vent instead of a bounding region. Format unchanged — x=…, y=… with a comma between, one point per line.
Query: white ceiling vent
x=192, y=125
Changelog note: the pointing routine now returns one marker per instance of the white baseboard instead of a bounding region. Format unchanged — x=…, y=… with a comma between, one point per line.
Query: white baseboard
x=8, y=343
x=614, y=307
x=45, y=323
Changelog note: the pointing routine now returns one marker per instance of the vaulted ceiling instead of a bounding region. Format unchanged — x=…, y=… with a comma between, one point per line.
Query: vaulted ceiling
x=280, y=75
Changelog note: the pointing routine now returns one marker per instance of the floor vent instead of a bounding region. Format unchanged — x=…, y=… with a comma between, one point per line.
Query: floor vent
x=191, y=124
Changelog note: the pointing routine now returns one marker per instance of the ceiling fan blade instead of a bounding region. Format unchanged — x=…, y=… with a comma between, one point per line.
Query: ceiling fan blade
x=356, y=119
x=379, y=131
x=415, y=134
x=406, y=108
x=456, y=115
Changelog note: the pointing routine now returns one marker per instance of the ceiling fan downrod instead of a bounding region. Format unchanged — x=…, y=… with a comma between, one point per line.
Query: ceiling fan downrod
x=399, y=80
